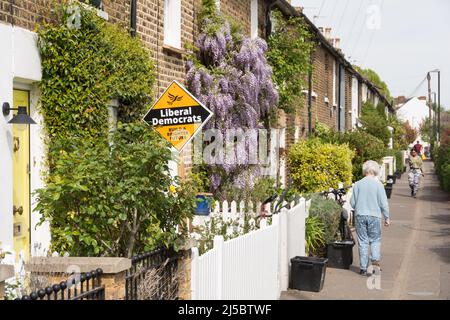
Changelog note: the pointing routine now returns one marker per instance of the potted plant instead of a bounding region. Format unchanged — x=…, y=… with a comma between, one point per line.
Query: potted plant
x=204, y=199
x=388, y=188
x=338, y=246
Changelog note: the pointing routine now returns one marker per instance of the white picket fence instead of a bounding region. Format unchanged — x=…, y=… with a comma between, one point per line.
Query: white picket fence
x=252, y=266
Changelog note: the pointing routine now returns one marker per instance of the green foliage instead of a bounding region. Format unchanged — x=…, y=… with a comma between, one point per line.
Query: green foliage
x=113, y=197
x=400, y=162
x=314, y=235
x=366, y=147
x=399, y=137
x=442, y=165
x=374, y=122
x=373, y=77
x=228, y=228
x=289, y=52
x=316, y=166
x=329, y=213
x=425, y=129
x=84, y=68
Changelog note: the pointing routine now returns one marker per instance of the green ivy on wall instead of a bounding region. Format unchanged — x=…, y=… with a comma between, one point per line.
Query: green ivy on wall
x=289, y=52
x=84, y=66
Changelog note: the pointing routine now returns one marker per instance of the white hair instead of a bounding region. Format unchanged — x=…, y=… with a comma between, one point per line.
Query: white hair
x=371, y=167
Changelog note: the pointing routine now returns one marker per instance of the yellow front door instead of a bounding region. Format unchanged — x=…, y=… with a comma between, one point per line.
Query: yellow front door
x=21, y=179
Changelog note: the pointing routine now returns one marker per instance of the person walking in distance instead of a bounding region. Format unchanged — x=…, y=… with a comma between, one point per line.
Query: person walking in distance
x=415, y=171
x=370, y=203
x=418, y=148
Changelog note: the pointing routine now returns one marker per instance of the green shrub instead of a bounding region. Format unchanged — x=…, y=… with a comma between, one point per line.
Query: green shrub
x=316, y=166
x=314, y=235
x=375, y=122
x=329, y=213
x=114, y=197
x=366, y=147
x=400, y=161
x=442, y=165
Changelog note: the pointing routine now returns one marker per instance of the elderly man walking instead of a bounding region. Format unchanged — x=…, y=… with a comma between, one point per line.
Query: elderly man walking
x=370, y=203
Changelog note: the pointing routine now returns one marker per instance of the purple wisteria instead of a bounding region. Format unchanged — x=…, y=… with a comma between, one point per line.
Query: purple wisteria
x=231, y=76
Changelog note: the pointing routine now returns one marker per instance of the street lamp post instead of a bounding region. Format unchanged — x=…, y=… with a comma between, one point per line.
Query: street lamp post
x=438, y=135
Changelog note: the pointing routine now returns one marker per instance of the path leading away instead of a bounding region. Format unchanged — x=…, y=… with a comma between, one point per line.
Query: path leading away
x=415, y=250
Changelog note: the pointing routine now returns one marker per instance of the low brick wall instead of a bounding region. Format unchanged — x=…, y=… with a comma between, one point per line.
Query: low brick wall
x=57, y=269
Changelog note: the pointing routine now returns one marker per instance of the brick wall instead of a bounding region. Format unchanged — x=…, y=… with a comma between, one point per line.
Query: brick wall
x=28, y=13
x=238, y=11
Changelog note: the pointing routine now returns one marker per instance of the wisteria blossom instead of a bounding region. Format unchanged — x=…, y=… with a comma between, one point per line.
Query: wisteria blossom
x=231, y=76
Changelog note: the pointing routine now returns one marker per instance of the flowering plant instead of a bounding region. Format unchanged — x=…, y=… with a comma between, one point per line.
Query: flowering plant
x=230, y=75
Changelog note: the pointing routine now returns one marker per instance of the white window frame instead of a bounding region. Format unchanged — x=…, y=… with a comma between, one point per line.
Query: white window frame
x=254, y=19
x=172, y=23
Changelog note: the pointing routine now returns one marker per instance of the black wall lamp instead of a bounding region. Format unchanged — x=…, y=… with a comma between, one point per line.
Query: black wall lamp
x=20, y=118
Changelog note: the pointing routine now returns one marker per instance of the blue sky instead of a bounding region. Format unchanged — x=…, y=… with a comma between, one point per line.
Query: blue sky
x=400, y=39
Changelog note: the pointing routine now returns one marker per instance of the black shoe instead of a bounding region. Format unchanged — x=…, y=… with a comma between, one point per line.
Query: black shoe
x=415, y=194
x=363, y=272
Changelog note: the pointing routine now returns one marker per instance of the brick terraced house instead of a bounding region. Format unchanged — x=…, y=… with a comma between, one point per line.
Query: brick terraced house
x=166, y=27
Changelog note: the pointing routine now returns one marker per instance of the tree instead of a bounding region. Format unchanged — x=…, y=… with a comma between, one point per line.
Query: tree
x=374, y=122
x=373, y=77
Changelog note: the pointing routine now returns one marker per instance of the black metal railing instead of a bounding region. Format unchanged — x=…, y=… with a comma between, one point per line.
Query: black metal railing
x=153, y=276
x=86, y=286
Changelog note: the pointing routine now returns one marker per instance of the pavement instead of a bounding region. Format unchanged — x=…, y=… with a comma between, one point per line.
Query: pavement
x=415, y=251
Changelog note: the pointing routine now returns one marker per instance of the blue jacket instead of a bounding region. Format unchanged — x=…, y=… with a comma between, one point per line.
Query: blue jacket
x=369, y=198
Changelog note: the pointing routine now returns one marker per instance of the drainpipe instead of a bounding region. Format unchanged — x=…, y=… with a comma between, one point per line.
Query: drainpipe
x=133, y=15
x=310, y=93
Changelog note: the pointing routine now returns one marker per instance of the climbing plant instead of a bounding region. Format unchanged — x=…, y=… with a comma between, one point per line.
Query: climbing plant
x=230, y=75
x=85, y=65
x=289, y=53
x=106, y=193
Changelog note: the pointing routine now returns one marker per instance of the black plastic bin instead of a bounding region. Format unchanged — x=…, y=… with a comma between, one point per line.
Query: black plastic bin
x=308, y=273
x=388, y=190
x=340, y=254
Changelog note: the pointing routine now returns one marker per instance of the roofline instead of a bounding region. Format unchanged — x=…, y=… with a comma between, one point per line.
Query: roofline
x=288, y=9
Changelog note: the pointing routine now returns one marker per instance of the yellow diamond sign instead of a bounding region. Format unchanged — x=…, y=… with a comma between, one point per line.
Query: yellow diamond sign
x=177, y=115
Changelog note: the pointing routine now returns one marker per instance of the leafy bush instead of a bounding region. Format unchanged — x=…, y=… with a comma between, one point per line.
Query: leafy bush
x=84, y=67
x=375, y=122
x=329, y=213
x=366, y=147
x=314, y=235
x=400, y=161
x=228, y=228
x=442, y=165
x=317, y=166
x=114, y=197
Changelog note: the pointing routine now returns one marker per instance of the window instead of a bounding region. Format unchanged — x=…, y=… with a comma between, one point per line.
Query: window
x=172, y=23
x=254, y=18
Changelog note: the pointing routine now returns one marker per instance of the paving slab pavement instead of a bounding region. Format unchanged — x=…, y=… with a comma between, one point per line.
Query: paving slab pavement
x=415, y=251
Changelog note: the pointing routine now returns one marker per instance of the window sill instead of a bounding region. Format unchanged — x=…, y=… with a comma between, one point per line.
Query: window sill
x=171, y=49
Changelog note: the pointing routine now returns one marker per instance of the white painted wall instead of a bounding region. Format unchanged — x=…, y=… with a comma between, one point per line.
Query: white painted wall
x=414, y=111
x=20, y=67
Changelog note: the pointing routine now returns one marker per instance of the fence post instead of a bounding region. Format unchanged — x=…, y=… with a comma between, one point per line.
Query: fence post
x=218, y=247
x=304, y=208
x=282, y=254
x=194, y=273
